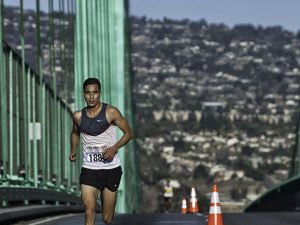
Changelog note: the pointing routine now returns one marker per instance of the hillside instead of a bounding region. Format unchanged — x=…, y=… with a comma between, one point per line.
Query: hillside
x=215, y=105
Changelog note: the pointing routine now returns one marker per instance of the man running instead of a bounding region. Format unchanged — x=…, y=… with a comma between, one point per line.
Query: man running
x=101, y=170
x=168, y=196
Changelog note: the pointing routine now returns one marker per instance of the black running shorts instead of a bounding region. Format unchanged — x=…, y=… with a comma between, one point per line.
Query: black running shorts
x=103, y=178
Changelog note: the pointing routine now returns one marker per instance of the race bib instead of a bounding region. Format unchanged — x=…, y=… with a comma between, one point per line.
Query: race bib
x=95, y=153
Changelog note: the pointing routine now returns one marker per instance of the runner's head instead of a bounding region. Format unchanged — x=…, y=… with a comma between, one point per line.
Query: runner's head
x=91, y=81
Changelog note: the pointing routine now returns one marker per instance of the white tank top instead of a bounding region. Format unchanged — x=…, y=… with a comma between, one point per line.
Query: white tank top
x=96, y=135
x=93, y=147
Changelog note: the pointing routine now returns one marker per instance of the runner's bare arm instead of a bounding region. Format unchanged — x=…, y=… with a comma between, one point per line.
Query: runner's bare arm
x=114, y=116
x=75, y=135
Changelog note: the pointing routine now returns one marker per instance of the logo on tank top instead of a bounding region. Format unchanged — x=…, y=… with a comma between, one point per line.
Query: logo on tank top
x=99, y=121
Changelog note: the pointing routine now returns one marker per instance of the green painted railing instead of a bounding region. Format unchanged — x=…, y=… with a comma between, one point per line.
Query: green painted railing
x=35, y=120
x=24, y=124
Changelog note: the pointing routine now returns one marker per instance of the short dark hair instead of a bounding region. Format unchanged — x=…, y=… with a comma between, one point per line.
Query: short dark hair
x=90, y=81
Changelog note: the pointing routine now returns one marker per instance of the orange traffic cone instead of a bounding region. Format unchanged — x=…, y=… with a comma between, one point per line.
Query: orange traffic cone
x=183, y=206
x=193, y=206
x=215, y=214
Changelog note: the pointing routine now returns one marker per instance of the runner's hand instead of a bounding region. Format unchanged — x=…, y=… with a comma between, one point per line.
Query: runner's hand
x=109, y=153
x=72, y=157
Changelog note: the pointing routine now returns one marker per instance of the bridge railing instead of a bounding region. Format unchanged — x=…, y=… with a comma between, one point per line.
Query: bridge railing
x=35, y=120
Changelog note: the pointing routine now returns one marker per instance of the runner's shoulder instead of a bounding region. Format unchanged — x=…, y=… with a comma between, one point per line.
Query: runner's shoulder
x=77, y=117
x=113, y=111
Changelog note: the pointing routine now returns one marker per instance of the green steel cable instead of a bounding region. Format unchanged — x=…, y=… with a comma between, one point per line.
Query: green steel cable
x=41, y=98
x=53, y=108
x=59, y=147
x=18, y=103
x=24, y=90
x=28, y=162
x=11, y=127
x=34, y=162
x=3, y=88
x=48, y=137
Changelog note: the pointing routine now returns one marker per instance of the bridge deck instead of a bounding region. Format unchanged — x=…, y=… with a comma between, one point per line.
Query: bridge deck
x=175, y=219
x=136, y=219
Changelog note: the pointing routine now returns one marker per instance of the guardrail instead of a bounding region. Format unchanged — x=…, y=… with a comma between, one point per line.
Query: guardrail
x=29, y=195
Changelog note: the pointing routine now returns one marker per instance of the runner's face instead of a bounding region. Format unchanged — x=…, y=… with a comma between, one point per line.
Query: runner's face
x=92, y=95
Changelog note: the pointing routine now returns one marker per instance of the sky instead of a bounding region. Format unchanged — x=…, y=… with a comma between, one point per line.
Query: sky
x=230, y=12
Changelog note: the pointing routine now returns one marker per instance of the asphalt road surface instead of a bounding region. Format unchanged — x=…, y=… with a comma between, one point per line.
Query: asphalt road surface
x=125, y=219
x=279, y=218
x=176, y=219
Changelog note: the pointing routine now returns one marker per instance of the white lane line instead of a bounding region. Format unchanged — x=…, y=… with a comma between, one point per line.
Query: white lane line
x=51, y=219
